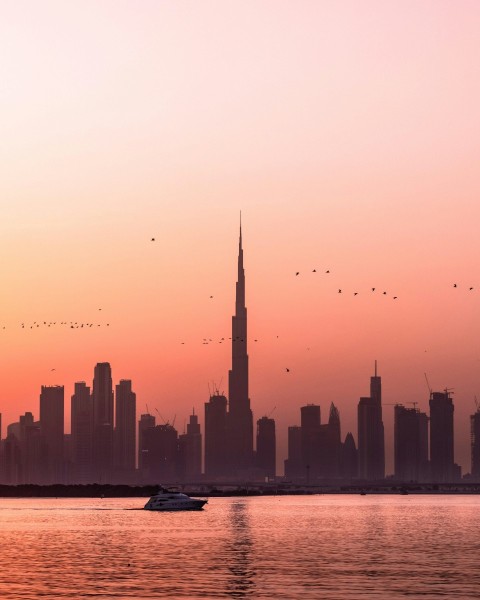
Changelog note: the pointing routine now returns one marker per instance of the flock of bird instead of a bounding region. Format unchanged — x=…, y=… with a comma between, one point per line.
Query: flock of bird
x=340, y=290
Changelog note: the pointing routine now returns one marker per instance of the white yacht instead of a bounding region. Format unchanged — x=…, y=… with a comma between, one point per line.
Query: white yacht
x=165, y=500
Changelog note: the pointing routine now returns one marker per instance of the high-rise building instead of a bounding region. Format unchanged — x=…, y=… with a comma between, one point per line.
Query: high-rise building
x=293, y=464
x=371, y=439
x=103, y=422
x=240, y=418
x=441, y=437
x=475, y=444
x=147, y=421
x=410, y=444
x=310, y=421
x=161, y=457
x=266, y=448
x=217, y=463
x=82, y=434
x=125, y=415
x=191, y=451
x=52, y=429
x=349, y=462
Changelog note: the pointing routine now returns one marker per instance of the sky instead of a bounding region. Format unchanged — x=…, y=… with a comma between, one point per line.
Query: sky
x=346, y=132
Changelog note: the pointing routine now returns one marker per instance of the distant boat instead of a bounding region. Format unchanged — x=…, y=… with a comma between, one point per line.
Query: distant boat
x=167, y=501
x=363, y=493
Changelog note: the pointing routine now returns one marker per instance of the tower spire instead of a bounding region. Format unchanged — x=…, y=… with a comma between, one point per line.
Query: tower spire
x=375, y=368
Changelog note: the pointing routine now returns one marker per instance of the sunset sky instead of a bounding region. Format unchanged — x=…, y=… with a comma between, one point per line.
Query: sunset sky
x=346, y=132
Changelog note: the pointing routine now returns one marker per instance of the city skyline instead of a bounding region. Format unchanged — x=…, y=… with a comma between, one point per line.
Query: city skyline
x=345, y=133
x=103, y=445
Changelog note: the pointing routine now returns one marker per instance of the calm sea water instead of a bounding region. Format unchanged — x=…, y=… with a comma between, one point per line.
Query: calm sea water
x=322, y=547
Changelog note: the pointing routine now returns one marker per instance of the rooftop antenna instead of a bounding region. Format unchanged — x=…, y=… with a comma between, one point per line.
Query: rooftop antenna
x=375, y=368
x=147, y=409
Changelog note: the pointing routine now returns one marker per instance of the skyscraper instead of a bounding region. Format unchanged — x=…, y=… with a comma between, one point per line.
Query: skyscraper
x=216, y=455
x=441, y=437
x=52, y=430
x=371, y=439
x=475, y=444
x=240, y=418
x=266, y=448
x=147, y=421
x=103, y=422
x=82, y=433
x=191, y=451
x=310, y=421
x=125, y=414
x=410, y=444
x=293, y=464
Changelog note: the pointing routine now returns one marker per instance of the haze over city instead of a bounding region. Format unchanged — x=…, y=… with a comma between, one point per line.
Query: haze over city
x=346, y=134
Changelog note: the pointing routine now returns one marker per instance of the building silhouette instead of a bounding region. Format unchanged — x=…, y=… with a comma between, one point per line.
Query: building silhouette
x=82, y=434
x=349, y=459
x=310, y=421
x=161, y=457
x=410, y=444
x=266, y=448
x=240, y=418
x=52, y=431
x=475, y=444
x=125, y=422
x=293, y=465
x=190, y=448
x=371, y=440
x=103, y=422
x=217, y=464
x=147, y=421
x=441, y=437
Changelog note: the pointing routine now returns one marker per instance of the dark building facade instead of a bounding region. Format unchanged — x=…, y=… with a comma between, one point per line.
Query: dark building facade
x=475, y=444
x=52, y=430
x=161, y=459
x=349, y=461
x=147, y=421
x=294, y=469
x=125, y=417
x=103, y=422
x=410, y=444
x=82, y=434
x=441, y=437
x=266, y=448
x=217, y=463
x=371, y=438
x=190, y=446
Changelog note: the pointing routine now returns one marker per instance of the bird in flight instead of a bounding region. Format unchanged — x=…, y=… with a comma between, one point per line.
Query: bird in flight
x=287, y=370
x=339, y=291
x=314, y=271
x=373, y=289
x=395, y=297
x=355, y=293
x=153, y=239
x=470, y=288
x=52, y=369
x=297, y=273
x=211, y=296
x=384, y=293
x=454, y=285
x=327, y=271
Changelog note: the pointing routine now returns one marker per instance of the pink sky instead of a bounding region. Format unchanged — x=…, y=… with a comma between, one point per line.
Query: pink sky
x=346, y=132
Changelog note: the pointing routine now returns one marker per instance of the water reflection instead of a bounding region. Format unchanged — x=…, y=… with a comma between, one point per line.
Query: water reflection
x=239, y=552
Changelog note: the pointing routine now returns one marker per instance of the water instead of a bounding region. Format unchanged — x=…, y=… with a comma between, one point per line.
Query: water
x=322, y=547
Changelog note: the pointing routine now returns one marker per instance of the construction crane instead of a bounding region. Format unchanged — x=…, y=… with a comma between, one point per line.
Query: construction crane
x=476, y=402
x=271, y=412
x=428, y=384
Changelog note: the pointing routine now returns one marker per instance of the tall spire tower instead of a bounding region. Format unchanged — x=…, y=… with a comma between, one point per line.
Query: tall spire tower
x=240, y=418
